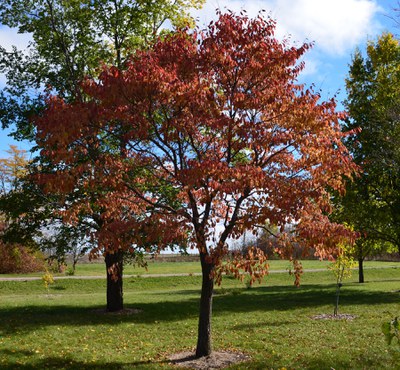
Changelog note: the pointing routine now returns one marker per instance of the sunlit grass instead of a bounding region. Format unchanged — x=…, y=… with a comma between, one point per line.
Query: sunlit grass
x=270, y=322
x=157, y=267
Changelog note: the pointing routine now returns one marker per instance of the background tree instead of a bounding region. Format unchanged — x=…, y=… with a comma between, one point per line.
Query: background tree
x=23, y=228
x=15, y=257
x=12, y=168
x=372, y=202
x=217, y=132
x=70, y=41
x=342, y=269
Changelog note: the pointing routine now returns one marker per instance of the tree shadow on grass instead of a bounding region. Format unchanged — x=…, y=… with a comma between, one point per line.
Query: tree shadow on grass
x=27, y=318
x=25, y=360
x=283, y=298
x=320, y=362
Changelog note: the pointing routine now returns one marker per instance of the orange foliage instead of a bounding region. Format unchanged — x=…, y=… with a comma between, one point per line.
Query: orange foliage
x=214, y=137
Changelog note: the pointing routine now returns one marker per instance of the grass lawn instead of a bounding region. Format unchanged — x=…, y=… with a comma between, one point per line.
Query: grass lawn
x=155, y=267
x=63, y=329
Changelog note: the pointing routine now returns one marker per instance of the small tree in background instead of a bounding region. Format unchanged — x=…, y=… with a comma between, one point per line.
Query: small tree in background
x=12, y=168
x=342, y=269
x=391, y=330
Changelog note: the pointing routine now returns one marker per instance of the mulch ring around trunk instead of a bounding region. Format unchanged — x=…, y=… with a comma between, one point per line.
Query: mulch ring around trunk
x=339, y=316
x=217, y=360
x=124, y=311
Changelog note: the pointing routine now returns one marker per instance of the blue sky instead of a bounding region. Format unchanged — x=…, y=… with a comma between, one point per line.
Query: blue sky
x=336, y=27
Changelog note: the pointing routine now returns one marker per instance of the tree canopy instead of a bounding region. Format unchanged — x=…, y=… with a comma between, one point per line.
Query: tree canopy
x=70, y=40
x=218, y=138
x=372, y=202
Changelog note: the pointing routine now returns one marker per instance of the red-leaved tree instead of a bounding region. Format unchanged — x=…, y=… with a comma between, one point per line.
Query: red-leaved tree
x=218, y=138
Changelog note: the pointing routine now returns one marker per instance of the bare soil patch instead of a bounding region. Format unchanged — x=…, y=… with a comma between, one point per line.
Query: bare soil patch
x=217, y=360
x=339, y=316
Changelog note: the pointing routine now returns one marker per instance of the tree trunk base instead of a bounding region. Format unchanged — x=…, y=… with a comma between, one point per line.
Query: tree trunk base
x=204, y=347
x=360, y=270
x=114, y=266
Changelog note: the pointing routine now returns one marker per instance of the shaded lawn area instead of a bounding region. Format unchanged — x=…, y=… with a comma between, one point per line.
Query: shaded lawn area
x=63, y=329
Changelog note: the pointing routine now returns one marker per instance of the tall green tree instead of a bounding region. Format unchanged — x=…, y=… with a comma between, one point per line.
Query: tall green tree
x=71, y=40
x=372, y=202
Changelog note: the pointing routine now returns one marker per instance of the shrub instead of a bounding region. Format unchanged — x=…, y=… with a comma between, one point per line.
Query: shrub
x=15, y=258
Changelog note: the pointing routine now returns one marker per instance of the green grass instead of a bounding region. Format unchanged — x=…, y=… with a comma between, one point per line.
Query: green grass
x=155, y=267
x=271, y=322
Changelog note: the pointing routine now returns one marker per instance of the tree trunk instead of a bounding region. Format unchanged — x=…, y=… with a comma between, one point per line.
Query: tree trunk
x=336, y=308
x=360, y=270
x=204, y=332
x=114, y=265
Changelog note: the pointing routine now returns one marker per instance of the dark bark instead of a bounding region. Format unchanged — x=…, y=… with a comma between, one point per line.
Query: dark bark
x=114, y=265
x=204, y=346
x=361, y=270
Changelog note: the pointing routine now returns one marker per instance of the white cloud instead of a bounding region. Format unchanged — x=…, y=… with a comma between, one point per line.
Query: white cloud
x=336, y=26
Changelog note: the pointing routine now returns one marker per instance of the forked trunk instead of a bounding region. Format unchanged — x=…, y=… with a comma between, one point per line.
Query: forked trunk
x=360, y=270
x=114, y=265
x=204, y=347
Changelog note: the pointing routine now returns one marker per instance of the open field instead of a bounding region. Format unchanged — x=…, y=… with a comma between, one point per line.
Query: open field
x=155, y=267
x=63, y=329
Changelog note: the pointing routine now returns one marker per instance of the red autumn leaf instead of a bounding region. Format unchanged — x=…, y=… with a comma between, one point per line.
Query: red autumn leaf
x=216, y=129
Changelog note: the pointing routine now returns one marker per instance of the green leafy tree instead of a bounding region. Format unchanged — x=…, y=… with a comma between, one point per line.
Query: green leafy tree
x=71, y=40
x=372, y=202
